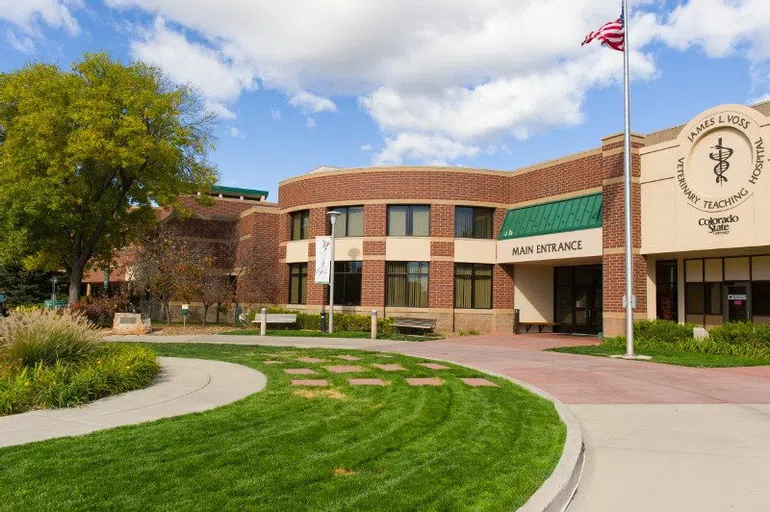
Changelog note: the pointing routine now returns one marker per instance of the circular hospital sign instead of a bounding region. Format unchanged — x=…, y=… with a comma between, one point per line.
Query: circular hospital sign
x=720, y=161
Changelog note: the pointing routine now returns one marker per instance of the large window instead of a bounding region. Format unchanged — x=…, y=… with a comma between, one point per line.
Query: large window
x=760, y=298
x=666, y=290
x=473, y=286
x=347, y=283
x=300, y=222
x=298, y=283
x=407, y=284
x=408, y=220
x=703, y=298
x=473, y=222
x=350, y=222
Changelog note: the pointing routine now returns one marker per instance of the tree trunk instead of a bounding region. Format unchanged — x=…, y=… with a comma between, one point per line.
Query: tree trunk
x=76, y=279
x=205, y=312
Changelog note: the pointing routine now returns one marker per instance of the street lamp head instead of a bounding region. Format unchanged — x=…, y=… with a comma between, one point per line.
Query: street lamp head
x=333, y=216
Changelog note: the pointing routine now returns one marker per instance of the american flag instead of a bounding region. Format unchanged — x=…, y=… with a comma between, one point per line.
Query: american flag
x=611, y=34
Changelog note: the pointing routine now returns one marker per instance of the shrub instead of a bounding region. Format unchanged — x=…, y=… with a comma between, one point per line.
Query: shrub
x=46, y=336
x=662, y=330
x=736, y=333
x=101, y=310
x=342, y=321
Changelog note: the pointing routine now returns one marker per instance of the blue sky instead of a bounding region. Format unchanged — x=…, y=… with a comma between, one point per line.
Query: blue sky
x=494, y=84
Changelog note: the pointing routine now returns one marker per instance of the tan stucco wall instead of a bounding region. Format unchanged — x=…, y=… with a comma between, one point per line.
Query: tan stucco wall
x=407, y=248
x=348, y=249
x=475, y=251
x=296, y=251
x=533, y=292
x=672, y=221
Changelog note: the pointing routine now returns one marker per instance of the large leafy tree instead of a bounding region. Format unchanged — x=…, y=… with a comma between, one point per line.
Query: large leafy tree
x=86, y=154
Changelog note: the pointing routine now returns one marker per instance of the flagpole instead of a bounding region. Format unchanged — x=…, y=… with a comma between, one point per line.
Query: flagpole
x=627, y=187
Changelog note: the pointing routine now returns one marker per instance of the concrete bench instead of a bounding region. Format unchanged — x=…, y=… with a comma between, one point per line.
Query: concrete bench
x=276, y=318
x=539, y=325
x=425, y=324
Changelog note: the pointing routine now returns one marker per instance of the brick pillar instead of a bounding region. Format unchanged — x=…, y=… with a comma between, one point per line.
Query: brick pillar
x=316, y=293
x=441, y=284
x=613, y=227
x=373, y=280
x=442, y=220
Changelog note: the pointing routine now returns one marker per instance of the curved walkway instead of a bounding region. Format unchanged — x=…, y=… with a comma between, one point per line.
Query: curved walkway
x=183, y=386
x=658, y=437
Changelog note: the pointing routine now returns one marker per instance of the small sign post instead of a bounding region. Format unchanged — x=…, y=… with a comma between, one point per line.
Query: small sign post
x=185, y=312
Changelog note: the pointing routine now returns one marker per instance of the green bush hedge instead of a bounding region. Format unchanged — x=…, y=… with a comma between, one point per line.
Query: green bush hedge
x=342, y=321
x=740, y=339
x=56, y=359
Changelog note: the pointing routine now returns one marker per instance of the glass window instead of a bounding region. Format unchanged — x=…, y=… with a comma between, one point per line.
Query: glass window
x=473, y=286
x=408, y=220
x=473, y=222
x=298, y=283
x=347, y=283
x=713, y=298
x=407, y=284
x=300, y=222
x=760, y=298
x=350, y=222
x=666, y=290
x=694, y=298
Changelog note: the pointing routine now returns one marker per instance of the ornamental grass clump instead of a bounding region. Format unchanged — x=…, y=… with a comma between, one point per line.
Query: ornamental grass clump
x=57, y=359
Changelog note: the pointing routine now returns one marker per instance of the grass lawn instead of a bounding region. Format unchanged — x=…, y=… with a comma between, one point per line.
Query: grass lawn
x=392, y=448
x=697, y=359
x=335, y=334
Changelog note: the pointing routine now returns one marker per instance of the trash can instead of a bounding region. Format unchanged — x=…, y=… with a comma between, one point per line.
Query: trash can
x=323, y=321
x=515, y=321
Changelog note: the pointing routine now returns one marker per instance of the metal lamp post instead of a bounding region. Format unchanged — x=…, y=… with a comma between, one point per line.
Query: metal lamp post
x=333, y=219
x=54, y=280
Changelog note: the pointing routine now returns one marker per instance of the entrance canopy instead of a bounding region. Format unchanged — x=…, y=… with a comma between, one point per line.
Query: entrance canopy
x=557, y=230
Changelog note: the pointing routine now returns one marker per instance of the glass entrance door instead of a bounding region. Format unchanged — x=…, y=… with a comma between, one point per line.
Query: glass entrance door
x=738, y=297
x=578, y=299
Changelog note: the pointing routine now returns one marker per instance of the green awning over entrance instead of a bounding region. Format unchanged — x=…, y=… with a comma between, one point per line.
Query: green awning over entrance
x=572, y=214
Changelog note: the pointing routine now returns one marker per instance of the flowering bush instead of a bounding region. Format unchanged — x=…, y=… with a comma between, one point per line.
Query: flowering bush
x=101, y=310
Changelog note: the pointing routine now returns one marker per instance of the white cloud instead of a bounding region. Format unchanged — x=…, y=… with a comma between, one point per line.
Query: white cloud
x=366, y=147
x=432, y=149
x=236, y=133
x=275, y=114
x=24, y=44
x=27, y=15
x=437, y=76
x=308, y=102
x=220, y=79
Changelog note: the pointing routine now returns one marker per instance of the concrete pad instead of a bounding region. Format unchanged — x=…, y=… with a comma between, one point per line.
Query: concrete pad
x=348, y=358
x=424, y=381
x=311, y=360
x=310, y=382
x=479, y=382
x=389, y=367
x=299, y=371
x=184, y=386
x=272, y=362
x=366, y=382
x=346, y=369
x=434, y=366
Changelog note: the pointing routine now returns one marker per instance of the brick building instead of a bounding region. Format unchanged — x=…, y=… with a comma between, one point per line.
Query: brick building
x=468, y=246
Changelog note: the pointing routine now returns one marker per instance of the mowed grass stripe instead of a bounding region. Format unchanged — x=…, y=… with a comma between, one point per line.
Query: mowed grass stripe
x=410, y=448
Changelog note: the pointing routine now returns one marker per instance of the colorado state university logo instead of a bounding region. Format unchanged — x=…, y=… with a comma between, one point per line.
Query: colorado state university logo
x=720, y=162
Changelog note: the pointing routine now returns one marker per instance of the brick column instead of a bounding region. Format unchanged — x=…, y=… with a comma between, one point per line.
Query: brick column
x=613, y=227
x=373, y=279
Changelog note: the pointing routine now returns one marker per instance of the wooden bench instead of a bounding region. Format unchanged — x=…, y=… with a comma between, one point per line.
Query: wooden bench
x=276, y=318
x=426, y=324
x=539, y=325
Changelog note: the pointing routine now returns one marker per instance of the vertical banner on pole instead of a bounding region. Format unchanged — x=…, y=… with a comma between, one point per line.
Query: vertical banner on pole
x=323, y=246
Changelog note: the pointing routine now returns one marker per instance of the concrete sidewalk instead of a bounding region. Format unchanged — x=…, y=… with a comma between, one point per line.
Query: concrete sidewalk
x=184, y=386
x=658, y=437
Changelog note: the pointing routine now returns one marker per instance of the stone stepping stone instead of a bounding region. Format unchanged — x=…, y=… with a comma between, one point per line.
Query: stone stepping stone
x=434, y=366
x=310, y=382
x=345, y=369
x=386, y=355
x=389, y=367
x=311, y=360
x=272, y=362
x=348, y=358
x=366, y=382
x=424, y=381
x=299, y=371
x=479, y=382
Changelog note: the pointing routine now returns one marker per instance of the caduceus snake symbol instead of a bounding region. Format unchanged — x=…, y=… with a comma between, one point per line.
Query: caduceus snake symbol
x=721, y=155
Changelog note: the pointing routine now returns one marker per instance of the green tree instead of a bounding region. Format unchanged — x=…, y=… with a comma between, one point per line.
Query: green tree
x=86, y=154
x=24, y=286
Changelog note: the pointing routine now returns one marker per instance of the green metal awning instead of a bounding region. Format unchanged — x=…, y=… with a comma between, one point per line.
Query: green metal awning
x=572, y=214
x=235, y=191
